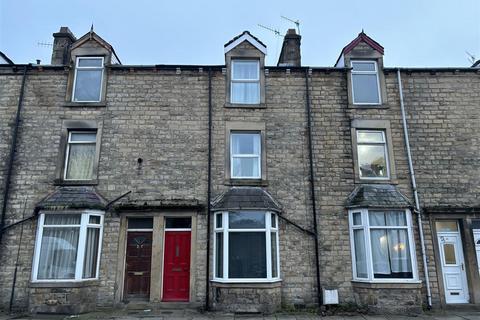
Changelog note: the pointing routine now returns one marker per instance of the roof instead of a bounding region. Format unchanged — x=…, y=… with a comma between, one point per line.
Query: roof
x=377, y=196
x=91, y=35
x=245, y=198
x=245, y=36
x=73, y=198
x=362, y=37
x=476, y=64
x=4, y=57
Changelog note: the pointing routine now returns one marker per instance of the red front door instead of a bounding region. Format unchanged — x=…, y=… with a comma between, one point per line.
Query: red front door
x=138, y=264
x=176, y=271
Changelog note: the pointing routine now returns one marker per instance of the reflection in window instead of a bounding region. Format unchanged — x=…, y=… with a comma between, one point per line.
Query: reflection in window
x=88, y=79
x=365, y=84
x=372, y=154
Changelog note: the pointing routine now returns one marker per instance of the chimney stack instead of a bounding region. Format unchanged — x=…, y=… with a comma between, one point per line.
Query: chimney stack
x=290, y=54
x=62, y=41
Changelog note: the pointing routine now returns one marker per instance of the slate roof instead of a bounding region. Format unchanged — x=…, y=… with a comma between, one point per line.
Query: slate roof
x=377, y=196
x=73, y=198
x=4, y=56
x=362, y=36
x=241, y=34
x=245, y=198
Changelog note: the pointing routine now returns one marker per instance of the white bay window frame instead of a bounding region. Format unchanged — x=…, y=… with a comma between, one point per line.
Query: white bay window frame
x=375, y=72
x=365, y=226
x=225, y=230
x=81, y=245
x=77, y=67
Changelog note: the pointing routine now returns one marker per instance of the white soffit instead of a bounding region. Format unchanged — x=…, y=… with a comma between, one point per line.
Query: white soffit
x=249, y=38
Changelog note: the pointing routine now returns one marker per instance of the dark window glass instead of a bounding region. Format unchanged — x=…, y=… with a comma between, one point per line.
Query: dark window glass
x=219, y=220
x=140, y=223
x=246, y=220
x=247, y=255
x=219, y=256
x=178, y=223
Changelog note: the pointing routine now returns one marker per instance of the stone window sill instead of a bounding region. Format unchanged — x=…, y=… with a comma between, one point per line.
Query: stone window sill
x=60, y=182
x=368, y=106
x=65, y=284
x=259, y=285
x=246, y=182
x=387, y=285
x=392, y=181
x=85, y=104
x=245, y=106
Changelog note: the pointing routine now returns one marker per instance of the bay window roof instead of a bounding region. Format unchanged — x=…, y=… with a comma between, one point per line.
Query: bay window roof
x=73, y=198
x=245, y=198
x=377, y=196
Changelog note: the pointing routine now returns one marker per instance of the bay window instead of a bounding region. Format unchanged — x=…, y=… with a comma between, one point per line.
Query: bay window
x=246, y=246
x=68, y=246
x=382, y=245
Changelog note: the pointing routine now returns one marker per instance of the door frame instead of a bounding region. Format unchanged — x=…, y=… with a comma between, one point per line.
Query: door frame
x=438, y=259
x=156, y=280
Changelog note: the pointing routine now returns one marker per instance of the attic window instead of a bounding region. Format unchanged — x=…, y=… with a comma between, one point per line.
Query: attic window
x=87, y=85
x=245, y=86
x=365, y=83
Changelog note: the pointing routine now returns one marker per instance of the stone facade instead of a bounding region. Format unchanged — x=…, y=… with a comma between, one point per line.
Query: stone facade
x=154, y=142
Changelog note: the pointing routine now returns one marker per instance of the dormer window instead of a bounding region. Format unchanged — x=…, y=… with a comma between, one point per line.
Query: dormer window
x=87, y=86
x=245, y=86
x=365, y=83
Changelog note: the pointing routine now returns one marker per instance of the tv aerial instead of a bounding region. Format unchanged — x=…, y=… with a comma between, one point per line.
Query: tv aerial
x=275, y=31
x=296, y=22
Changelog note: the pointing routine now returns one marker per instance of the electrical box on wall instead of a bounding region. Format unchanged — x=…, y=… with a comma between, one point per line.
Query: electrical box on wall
x=330, y=296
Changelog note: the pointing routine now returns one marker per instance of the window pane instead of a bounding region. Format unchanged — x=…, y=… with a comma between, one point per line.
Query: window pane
x=273, y=248
x=273, y=220
x=90, y=62
x=94, y=220
x=91, y=253
x=218, y=220
x=372, y=161
x=446, y=226
x=243, y=70
x=389, y=218
x=178, y=223
x=80, y=161
x=365, y=88
x=449, y=251
x=246, y=167
x=363, y=66
x=58, y=253
x=246, y=92
x=357, y=218
x=219, y=255
x=83, y=136
x=246, y=143
x=246, y=220
x=140, y=223
x=360, y=253
x=391, y=254
x=88, y=85
x=62, y=219
x=247, y=255
x=370, y=136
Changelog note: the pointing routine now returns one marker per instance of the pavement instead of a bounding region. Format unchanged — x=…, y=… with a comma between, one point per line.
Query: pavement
x=196, y=315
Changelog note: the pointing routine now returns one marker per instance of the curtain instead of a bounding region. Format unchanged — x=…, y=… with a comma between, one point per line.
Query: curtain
x=273, y=249
x=246, y=92
x=360, y=253
x=91, y=253
x=380, y=256
x=58, y=254
x=80, y=161
x=399, y=251
x=246, y=144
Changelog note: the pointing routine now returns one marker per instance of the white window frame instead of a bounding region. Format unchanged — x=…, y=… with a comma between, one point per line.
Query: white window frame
x=225, y=231
x=82, y=239
x=365, y=226
x=366, y=72
x=67, y=152
x=258, y=156
x=233, y=80
x=385, y=148
x=102, y=68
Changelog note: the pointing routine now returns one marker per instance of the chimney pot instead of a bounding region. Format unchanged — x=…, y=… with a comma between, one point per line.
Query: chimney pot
x=62, y=41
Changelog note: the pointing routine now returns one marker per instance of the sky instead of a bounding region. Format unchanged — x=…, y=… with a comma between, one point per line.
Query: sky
x=414, y=33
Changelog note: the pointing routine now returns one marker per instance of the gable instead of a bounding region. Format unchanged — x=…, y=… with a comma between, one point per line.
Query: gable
x=245, y=37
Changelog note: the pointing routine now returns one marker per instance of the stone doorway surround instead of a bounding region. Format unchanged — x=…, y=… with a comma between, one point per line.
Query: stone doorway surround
x=156, y=284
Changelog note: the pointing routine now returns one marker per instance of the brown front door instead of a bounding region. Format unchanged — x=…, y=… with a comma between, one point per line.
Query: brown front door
x=138, y=264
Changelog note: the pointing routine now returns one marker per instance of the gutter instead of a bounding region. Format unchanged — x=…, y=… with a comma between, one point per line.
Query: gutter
x=209, y=190
x=415, y=191
x=312, y=185
x=6, y=190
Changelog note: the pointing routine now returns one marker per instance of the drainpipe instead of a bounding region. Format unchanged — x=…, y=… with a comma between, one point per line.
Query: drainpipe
x=415, y=191
x=209, y=187
x=312, y=186
x=6, y=190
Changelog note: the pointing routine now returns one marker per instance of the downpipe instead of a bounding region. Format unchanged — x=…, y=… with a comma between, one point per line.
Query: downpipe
x=415, y=191
x=209, y=190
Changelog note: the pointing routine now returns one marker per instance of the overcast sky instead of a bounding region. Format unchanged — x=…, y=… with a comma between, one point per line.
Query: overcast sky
x=413, y=32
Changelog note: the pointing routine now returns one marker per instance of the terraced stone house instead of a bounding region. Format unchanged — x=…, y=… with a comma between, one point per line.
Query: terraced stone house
x=238, y=187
